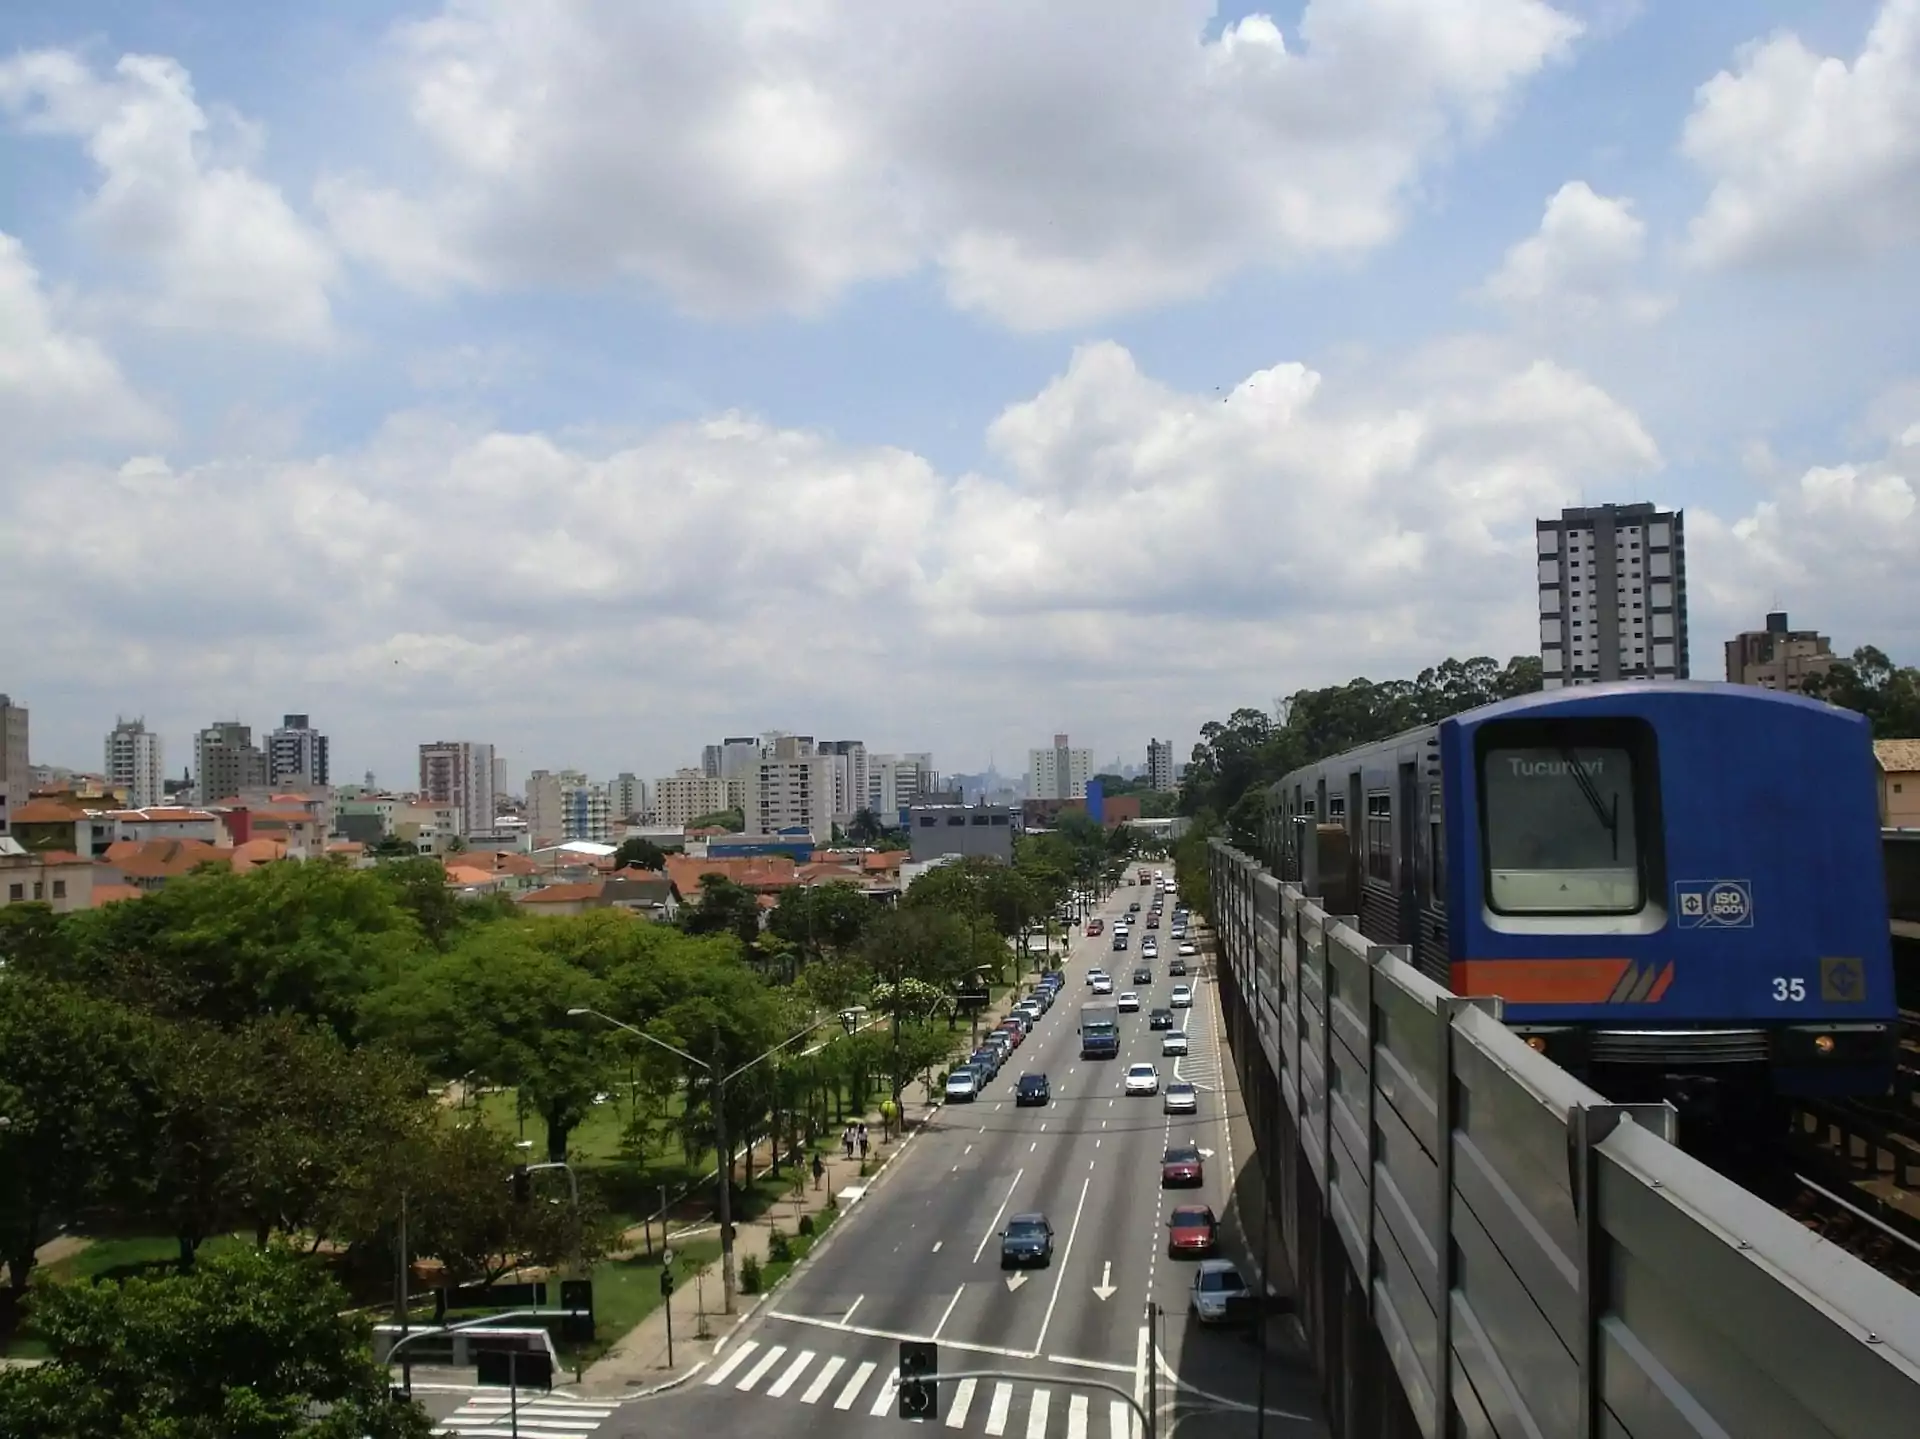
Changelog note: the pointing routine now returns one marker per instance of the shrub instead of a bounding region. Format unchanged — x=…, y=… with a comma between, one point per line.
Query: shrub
x=806, y=1224
x=750, y=1274
x=779, y=1247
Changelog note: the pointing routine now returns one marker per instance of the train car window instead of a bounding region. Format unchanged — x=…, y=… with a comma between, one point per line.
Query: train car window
x=1561, y=826
x=1437, y=845
x=1380, y=835
x=1336, y=806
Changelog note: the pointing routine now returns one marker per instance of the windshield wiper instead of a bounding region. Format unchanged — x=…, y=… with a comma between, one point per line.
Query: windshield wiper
x=1607, y=815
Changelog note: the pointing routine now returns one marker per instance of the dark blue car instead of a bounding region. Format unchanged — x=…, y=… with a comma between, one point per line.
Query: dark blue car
x=1027, y=1239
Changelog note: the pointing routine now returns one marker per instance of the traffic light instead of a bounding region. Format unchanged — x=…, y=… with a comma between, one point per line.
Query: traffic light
x=522, y=1184
x=919, y=1394
x=666, y=1282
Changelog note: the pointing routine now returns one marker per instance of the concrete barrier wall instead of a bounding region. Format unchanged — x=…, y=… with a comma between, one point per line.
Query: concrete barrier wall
x=1484, y=1246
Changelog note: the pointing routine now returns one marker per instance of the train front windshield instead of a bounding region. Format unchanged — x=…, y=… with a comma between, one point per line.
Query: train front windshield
x=1560, y=830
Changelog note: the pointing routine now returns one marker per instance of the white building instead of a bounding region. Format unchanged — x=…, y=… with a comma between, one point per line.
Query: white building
x=1613, y=595
x=898, y=781
x=682, y=797
x=134, y=762
x=627, y=796
x=296, y=754
x=1059, y=773
x=850, y=783
x=1160, y=764
x=459, y=773
x=791, y=792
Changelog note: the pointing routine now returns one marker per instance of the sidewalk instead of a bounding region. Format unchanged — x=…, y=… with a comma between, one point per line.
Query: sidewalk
x=638, y=1365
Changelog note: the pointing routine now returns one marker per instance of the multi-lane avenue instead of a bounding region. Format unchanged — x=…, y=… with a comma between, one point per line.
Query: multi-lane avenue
x=918, y=1256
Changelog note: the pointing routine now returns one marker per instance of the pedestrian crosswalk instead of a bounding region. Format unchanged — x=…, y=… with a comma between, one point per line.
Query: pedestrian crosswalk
x=997, y=1408
x=539, y=1416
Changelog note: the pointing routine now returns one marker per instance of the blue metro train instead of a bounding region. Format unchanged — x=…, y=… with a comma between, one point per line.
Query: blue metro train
x=1675, y=888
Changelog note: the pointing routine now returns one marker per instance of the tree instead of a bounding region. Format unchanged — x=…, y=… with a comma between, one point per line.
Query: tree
x=73, y=1109
x=865, y=828
x=251, y=1344
x=817, y=917
x=461, y=1209
x=639, y=852
x=1871, y=684
x=731, y=820
x=420, y=885
x=723, y=907
x=496, y=1005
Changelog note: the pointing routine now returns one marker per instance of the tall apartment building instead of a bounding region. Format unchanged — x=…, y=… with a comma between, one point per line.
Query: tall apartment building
x=737, y=755
x=1059, y=773
x=1613, y=595
x=500, y=785
x=459, y=773
x=898, y=781
x=297, y=754
x=226, y=761
x=14, y=765
x=1160, y=764
x=792, y=791
x=710, y=760
x=627, y=795
x=134, y=763
x=849, y=776
x=544, y=818
x=682, y=797
x=1777, y=657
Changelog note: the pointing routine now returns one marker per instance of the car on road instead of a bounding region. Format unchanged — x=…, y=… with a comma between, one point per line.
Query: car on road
x=1160, y=1019
x=1153, y=920
x=1182, y=996
x=1134, y=908
x=1031, y=1089
x=1181, y=1098
x=962, y=1086
x=1129, y=1002
x=1103, y=985
x=1096, y=926
x=1095, y=973
x=1220, y=1295
x=1142, y=1079
x=1142, y=975
x=1174, y=1043
x=1181, y=1165
x=1192, y=1231
x=1119, y=941
x=1176, y=967
x=1187, y=949
x=1027, y=1239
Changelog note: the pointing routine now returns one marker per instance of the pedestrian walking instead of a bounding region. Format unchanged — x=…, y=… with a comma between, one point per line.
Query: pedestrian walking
x=846, y=1140
x=863, y=1144
x=819, y=1170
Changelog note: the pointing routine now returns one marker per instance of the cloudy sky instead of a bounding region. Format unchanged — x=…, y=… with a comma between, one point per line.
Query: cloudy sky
x=595, y=378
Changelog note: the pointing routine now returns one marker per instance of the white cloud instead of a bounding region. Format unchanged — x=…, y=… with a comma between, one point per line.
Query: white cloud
x=178, y=195
x=55, y=386
x=1307, y=527
x=1580, y=262
x=1056, y=162
x=1811, y=158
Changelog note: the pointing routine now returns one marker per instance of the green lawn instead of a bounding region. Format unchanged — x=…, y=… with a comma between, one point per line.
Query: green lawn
x=626, y=1291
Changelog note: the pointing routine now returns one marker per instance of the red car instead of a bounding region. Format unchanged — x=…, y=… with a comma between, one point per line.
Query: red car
x=1096, y=926
x=1180, y=1167
x=1014, y=1033
x=1191, y=1231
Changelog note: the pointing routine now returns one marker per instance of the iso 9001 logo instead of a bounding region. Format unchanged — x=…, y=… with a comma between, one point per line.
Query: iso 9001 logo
x=1713, y=904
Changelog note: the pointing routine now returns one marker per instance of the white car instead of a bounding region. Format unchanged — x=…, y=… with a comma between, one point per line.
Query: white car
x=1173, y=1043
x=961, y=1088
x=1129, y=1002
x=1181, y=1098
x=1102, y=984
x=1187, y=951
x=1142, y=1079
x=1182, y=997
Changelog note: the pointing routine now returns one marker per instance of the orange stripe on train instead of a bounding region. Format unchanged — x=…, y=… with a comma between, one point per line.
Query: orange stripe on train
x=1563, y=981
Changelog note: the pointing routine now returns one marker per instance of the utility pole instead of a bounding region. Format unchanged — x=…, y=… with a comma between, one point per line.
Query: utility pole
x=725, y=1156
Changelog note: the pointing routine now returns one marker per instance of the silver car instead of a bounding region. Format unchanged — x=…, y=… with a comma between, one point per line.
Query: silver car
x=1181, y=1098
x=1220, y=1295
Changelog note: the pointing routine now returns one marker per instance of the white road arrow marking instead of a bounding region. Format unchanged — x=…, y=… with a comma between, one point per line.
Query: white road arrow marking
x=1014, y=1281
x=1204, y=1154
x=1104, y=1289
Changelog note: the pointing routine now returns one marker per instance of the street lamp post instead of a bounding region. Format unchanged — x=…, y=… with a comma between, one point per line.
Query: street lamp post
x=721, y=1078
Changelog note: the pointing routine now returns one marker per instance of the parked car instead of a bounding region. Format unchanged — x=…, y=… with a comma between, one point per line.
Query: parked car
x=962, y=1086
x=1192, y=1231
x=1181, y=1098
x=1142, y=1079
x=1220, y=1295
x=1027, y=1239
x=1031, y=1089
x=1182, y=996
x=987, y=1055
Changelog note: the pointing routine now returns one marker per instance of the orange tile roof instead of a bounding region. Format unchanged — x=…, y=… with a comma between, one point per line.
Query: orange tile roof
x=48, y=811
x=1897, y=756
x=163, y=858
x=886, y=859
x=469, y=876
x=113, y=893
x=257, y=852
x=762, y=871
x=51, y=858
x=164, y=815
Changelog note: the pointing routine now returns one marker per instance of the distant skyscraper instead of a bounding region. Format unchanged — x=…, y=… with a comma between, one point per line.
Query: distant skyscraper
x=296, y=754
x=13, y=750
x=460, y=773
x=710, y=760
x=226, y=761
x=1613, y=595
x=1059, y=773
x=626, y=796
x=133, y=763
x=1160, y=764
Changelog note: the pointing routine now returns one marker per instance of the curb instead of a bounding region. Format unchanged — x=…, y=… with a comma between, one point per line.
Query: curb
x=662, y=1387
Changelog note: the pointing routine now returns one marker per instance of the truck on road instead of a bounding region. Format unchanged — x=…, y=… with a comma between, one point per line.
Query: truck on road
x=1099, y=1031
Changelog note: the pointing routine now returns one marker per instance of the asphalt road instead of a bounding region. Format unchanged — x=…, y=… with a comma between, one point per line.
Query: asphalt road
x=917, y=1257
